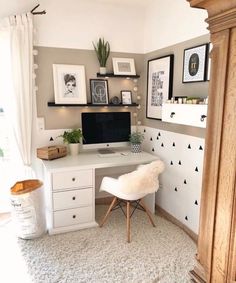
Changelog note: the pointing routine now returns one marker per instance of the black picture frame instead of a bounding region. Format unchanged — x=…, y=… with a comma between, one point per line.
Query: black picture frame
x=159, y=85
x=99, y=91
x=195, y=61
x=126, y=97
x=208, y=75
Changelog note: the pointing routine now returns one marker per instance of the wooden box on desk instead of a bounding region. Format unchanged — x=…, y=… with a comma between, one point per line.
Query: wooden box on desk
x=51, y=152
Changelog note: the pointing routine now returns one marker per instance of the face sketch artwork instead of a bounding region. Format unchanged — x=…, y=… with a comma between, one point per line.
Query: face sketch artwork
x=70, y=85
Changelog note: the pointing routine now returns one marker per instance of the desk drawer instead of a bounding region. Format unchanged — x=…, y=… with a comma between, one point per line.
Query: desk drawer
x=72, y=179
x=72, y=199
x=73, y=216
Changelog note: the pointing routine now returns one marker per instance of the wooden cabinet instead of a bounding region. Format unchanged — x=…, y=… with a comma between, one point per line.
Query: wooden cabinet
x=70, y=199
x=185, y=114
x=216, y=255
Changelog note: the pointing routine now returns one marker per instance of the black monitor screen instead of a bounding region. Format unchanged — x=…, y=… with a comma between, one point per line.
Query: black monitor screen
x=105, y=127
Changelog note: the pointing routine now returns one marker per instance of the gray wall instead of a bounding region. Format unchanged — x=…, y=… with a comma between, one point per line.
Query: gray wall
x=69, y=117
x=199, y=89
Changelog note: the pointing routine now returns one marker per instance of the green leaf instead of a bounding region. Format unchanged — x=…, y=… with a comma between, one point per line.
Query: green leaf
x=102, y=50
x=136, y=137
x=73, y=136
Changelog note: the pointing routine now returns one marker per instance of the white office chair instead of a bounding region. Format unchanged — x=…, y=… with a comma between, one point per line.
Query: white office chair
x=131, y=188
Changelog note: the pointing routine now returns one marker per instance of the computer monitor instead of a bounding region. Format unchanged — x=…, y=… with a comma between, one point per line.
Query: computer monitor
x=105, y=129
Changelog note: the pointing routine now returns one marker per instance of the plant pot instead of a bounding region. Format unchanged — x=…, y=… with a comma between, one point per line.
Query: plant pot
x=103, y=70
x=74, y=148
x=136, y=147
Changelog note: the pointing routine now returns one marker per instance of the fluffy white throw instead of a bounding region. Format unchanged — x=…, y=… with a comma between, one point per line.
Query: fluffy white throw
x=142, y=180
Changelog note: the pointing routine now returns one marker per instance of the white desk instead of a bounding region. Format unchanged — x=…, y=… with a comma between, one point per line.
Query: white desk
x=70, y=187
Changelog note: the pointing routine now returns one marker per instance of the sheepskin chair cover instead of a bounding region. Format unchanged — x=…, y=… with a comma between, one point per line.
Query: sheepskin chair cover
x=142, y=180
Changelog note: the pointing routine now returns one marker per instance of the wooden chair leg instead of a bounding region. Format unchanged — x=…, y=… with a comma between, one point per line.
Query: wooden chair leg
x=128, y=221
x=108, y=211
x=148, y=212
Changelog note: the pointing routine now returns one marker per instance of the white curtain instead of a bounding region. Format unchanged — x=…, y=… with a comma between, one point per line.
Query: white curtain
x=16, y=97
x=16, y=79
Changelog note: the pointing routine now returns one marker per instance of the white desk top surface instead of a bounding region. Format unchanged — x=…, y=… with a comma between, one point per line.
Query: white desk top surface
x=91, y=159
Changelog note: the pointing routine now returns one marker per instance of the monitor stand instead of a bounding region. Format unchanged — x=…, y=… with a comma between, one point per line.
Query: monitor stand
x=106, y=151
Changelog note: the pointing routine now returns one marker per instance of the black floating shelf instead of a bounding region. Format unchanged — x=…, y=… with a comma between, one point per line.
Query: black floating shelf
x=53, y=104
x=112, y=75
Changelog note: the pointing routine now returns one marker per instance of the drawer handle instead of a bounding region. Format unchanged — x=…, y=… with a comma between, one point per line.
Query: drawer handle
x=73, y=198
x=203, y=117
x=172, y=114
x=74, y=216
x=73, y=179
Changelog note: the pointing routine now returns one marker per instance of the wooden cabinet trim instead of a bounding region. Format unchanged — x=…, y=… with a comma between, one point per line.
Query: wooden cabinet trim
x=217, y=242
x=223, y=21
x=213, y=7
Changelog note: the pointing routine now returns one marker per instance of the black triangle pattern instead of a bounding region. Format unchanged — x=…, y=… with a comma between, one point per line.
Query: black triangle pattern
x=189, y=146
x=180, y=162
x=176, y=189
x=157, y=138
x=200, y=147
x=159, y=134
x=196, y=169
x=171, y=163
x=153, y=150
x=150, y=139
x=162, y=144
x=144, y=131
x=196, y=202
x=51, y=139
x=173, y=144
x=185, y=182
x=186, y=218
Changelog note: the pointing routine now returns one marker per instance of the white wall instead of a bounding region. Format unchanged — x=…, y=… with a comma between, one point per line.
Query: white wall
x=14, y=7
x=181, y=183
x=172, y=21
x=134, y=26
x=76, y=23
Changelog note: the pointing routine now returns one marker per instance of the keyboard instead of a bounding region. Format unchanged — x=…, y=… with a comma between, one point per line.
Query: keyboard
x=107, y=152
x=111, y=154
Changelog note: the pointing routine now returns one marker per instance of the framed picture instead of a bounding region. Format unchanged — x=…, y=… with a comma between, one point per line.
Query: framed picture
x=159, y=85
x=126, y=96
x=69, y=84
x=99, y=91
x=123, y=66
x=195, y=64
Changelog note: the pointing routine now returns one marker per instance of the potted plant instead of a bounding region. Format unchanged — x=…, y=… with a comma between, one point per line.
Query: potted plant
x=102, y=50
x=136, y=139
x=72, y=138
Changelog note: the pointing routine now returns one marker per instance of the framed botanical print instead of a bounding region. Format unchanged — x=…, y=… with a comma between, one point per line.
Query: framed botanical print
x=159, y=85
x=195, y=64
x=69, y=84
x=99, y=91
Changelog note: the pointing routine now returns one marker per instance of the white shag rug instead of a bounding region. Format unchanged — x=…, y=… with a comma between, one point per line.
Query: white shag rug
x=163, y=254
